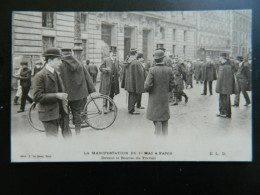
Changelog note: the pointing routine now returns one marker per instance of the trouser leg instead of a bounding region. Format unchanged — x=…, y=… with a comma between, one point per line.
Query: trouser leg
x=132, y=99
x=24, y=96
x=205, y=87
x=76, y=108
x=112, y=94
x=65, y=128
x=225, y=105
x=95, y=78
x=237, y=99
x=51, y=128
x=139, y=99
x=246, y=97
x=228, y=106
x=221, y=104
x=165, y=128
x=158, y=127
x=210, y=87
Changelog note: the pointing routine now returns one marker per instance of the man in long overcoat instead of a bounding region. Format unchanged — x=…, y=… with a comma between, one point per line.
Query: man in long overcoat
x=159, y=83
x=50, y=95
x=197, y=66
x=110, y=73
x=208, y=75
x=225, y=86
x=78, y=84
x=243, y=80
x=133, y=82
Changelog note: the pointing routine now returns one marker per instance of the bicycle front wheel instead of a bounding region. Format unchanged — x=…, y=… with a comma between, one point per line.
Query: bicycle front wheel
x=100, y=112
x=33, y=118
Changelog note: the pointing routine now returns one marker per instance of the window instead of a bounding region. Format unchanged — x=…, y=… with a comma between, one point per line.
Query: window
x=47, y=42
x=84, y=46
x=185, y=35
x=47, y=19
x=173, y=50
x=83, y=22
x=174, y=34
x=162, y=35
x=184, y=50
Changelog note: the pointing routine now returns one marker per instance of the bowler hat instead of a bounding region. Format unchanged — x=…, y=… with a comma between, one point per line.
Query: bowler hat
x=55, y=52
x=158, y=54
x=239, y=58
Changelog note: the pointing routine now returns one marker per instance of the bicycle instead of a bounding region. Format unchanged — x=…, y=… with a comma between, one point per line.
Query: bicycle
x=94, y=114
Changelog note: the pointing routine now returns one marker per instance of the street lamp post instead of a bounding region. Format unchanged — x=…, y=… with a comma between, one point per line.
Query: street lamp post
x=77, y=49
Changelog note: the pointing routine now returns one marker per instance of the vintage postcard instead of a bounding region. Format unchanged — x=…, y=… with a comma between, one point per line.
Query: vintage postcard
x=131, y=86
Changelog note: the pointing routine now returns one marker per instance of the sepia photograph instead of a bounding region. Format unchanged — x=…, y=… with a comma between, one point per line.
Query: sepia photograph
x=131, y=86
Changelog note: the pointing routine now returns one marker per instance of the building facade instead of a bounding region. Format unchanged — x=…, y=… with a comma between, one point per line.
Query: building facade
x=34, y=32
x=213, y=33
x=188, y=34
x=241, y=33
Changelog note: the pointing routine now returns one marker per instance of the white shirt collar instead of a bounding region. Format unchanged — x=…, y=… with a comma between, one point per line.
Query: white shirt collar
x=49, y=68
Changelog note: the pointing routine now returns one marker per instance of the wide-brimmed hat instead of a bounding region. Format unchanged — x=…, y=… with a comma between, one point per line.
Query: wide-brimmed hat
x=158, y=54
x=55, y=52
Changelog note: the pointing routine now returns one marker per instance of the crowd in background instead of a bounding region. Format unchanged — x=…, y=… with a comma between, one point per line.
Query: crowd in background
x=165, y=78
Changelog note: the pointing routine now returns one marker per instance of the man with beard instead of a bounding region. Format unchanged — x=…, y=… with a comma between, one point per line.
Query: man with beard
x=225, y=86
x=133, y=82
x=110, y=73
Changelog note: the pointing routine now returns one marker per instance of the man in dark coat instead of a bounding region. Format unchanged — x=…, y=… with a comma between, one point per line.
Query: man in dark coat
x=78, y=85
x=110, y=73
x=178, y=80
x=189, y=73
x=208, y=75
x=93, y=71
x=159, y=83
x=225, y=86
x=133, y=82
x=50, y=95
x=141, y=60
x=25, y=82
x=243, y=80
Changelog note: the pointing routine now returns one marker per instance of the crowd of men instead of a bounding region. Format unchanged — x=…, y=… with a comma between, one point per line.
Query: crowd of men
x=63, y=81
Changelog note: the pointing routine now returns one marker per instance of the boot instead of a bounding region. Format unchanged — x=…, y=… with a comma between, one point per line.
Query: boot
x=186, y=99
x=175, y=103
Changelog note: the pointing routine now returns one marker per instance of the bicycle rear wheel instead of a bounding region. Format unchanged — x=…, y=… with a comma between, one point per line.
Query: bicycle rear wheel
x=96, y=115
x=33, y=118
